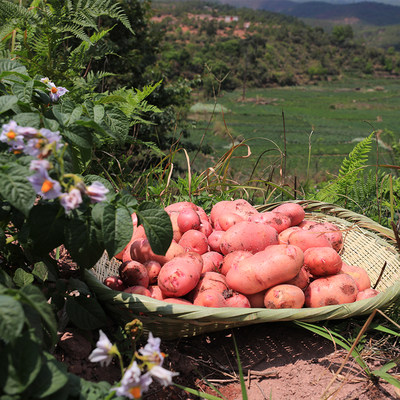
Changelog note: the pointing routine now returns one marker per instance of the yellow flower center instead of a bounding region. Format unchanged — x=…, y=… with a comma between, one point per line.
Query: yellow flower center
x=46, y=186
x=54, y=90
x=135, y=392
x=11, y=135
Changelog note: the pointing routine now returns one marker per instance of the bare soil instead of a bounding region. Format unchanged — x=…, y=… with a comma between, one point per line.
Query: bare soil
x=279, y=361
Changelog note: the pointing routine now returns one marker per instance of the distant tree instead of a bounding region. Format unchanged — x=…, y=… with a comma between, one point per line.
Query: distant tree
x=342, y=34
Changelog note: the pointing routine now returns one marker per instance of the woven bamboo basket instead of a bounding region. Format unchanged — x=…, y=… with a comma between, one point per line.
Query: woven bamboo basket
x=366, y=244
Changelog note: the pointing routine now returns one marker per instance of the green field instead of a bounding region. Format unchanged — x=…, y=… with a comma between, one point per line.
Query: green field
x=339, y=114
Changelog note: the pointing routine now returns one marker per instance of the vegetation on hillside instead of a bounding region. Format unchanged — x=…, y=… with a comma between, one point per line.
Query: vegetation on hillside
x=243, y=47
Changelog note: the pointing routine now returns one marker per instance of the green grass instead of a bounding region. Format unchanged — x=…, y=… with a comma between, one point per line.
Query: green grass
x=338, y=113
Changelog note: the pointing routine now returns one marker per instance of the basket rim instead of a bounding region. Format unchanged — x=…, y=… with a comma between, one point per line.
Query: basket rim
x=198, y=314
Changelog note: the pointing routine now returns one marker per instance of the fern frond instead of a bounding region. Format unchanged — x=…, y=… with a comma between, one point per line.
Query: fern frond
x=11, y=11
x=348, y=172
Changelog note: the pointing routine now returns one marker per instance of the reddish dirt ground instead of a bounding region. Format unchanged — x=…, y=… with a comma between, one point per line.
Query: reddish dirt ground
x=280, y=361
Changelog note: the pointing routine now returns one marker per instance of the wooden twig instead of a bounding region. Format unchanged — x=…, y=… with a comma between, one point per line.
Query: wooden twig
x=380, y=275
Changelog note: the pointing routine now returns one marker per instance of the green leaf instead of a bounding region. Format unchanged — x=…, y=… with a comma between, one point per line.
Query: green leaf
x=28, y=119
x=79, y=137
x=98, y=113
x=197, y=393
x=15, y=188
x=7, y=102
x=157, y=225
x=40, y=271
x=7, y=65
x=86, y=312
x=117, y=123
x=117, y=228
x=5, y=279
x=22, y=278
x=79, y=285
x=387, y=377
x=11, y=318
x=34, y=297
x=46, y=227
x=83, y=241
x=24, y=364
x=52, y=377
x=23, y=91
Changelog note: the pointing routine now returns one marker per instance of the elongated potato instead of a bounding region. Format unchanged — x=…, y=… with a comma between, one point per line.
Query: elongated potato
x=359, y=274
x=240, y=207
x=180, y=275
x=306, y=239
x=277, y=220
x=293, y=210
x=284, y=296
x=332, y=233
x=272, y=266
x=330, y=290
x=322, y=261
x=249, y=236
x=284, y=235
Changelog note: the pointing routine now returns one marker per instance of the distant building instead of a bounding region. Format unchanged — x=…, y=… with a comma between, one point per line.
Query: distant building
x=230, y=18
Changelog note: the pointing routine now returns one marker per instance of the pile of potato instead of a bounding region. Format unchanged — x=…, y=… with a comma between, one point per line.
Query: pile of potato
x=239, y=257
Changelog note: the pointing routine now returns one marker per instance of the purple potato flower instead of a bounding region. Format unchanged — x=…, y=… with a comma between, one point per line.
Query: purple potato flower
x=11, y=135
x=56, y=91
x=133, y=383
x=45, y=186
x=71, y=200
x=104, y=351
x=97, y=192
x=152, y=349
x=39, y=165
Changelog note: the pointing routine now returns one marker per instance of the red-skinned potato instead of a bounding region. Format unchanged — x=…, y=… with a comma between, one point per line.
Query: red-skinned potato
x=176, y=233
x=284, y=296
x=330, y=290
x=367, y=294
x=231, y=260
x=141, y=251
x=155, y=292
x=210, y=280
x=193, y=240
x=114, y=283
x=359, y=274
x=322, y=261
x=235, y=299
x=179, y=206
x=176, y=300
x=206, y=228
x=306, y=239
x=210, y=298
x=134, y=273
x=307, y=224
x=248, y=236
x=214, y=240
x=332, y=233
x=240, y=207
x=257, y=299
x=301, y=280
x=180, y=275
x=270, y=267
x=284, y=235
x=137, y=289
x=212, y=261
x=153, y=268
x=228, y=219
x=277, y=220
x=188, y=219
x=294, y=211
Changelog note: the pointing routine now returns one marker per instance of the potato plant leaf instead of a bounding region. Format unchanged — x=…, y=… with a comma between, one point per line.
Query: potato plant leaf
x=11, y=318
x=157, y=225
x=86, y=312
x=15, y=188
x=22, y=278
x=117, y=228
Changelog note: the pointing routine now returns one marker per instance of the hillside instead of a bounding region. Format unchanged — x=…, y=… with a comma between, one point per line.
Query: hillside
x=366, y=12
x=229, y=48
